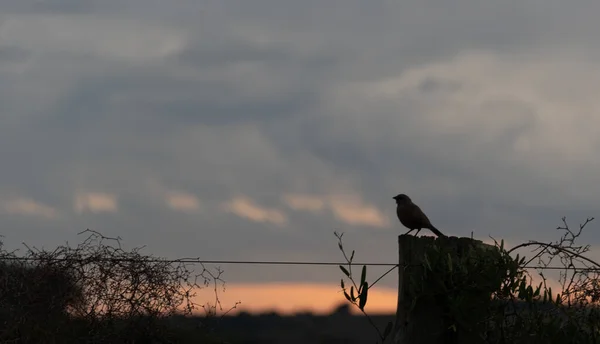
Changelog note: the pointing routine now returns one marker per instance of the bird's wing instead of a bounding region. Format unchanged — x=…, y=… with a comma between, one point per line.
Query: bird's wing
x=417, y=213
x=424, y=221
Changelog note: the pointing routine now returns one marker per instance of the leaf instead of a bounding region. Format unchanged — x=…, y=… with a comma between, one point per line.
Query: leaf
x=363, y=296
x=549, y=295
x=345, y=271
x=342, y=283
x=352, y=255
x=352, y=294
x=347, y=296
x=388, y=329
x=363, y=275
x=545, y=297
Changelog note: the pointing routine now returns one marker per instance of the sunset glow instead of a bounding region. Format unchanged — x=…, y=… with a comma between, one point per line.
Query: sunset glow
x=289, y=298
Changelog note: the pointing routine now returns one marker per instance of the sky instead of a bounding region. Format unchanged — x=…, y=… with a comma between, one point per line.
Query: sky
x=252, y=129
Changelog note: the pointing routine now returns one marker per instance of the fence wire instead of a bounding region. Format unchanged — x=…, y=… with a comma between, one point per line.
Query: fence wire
x=260, y=262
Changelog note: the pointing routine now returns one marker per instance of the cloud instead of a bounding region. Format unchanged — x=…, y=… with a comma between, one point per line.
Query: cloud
x=95, y=202
x=304, y=202
x=475, y=106
x=353, y=211
x=350, y=209
x=493, y=116
x=182, y=201
x=107, y=37
x=29, y=207
x=246, y=208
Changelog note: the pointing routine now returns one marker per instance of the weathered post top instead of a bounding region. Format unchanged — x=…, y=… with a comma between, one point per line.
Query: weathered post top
x=431, y=272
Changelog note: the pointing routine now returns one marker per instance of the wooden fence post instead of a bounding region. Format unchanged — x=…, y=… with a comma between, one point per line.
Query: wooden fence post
x=422, y=313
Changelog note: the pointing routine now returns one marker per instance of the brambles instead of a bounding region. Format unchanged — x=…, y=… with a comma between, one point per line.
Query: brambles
x=97, y=292
x=568, y=315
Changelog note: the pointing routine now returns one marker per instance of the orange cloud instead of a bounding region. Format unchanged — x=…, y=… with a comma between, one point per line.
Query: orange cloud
x=28, y=207
x=95, y=202
x=350, y=209
x=354, y=212
x=289, y=298
x=304, y=202
x=182, y=201
x=246, y=208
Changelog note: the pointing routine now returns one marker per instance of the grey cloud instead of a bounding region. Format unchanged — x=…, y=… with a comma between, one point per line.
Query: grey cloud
x=61, y=6
x=12, y=54
x=252, y=106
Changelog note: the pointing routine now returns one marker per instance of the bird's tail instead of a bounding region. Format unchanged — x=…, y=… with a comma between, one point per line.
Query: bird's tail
x=436, y=231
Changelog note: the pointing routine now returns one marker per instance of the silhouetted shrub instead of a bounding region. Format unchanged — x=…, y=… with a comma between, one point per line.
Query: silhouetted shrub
x=97, y=292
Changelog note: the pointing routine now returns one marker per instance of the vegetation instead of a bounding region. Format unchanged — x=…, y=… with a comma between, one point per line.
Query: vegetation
x=488, y=293
x=98, y=292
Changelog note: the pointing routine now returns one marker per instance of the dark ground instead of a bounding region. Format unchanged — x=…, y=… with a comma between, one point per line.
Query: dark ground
x=271, y=328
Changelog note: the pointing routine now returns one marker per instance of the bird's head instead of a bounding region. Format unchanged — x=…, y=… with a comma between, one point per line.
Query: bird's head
x=402, y=199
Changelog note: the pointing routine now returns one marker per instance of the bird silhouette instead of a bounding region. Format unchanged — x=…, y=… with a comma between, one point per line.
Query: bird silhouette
x=412, y=217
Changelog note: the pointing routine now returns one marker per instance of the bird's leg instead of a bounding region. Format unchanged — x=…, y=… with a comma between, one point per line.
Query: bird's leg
x=407, y=233
x=418, y=230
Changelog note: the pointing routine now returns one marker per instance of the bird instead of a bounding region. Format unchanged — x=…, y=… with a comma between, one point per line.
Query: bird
x=412, y=217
